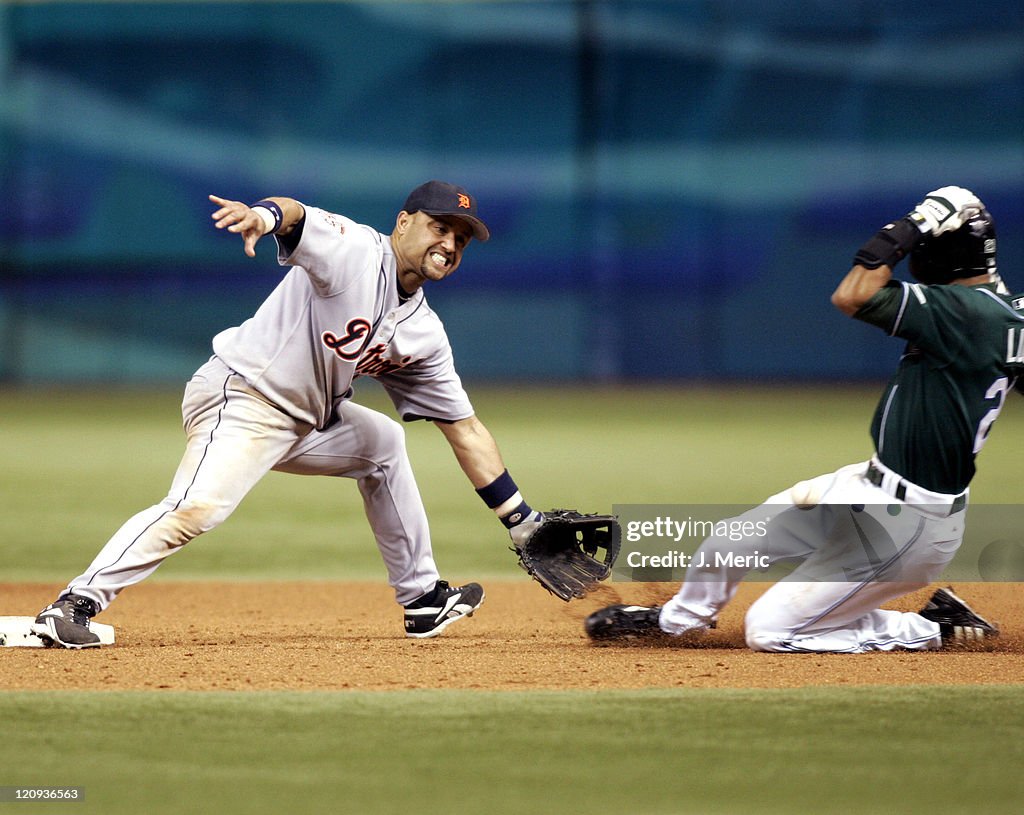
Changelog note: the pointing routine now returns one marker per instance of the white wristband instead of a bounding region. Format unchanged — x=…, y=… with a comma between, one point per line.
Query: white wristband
x=506, y=507
x=267, y=216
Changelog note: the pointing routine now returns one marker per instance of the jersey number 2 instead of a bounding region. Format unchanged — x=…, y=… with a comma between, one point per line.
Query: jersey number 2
x=997, y=390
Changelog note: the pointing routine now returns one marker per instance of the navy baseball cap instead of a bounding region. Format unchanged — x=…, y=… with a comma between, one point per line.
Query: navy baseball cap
x=442, y=198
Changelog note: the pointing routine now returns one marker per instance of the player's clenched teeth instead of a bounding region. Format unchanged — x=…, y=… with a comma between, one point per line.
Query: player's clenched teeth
x=439, y=259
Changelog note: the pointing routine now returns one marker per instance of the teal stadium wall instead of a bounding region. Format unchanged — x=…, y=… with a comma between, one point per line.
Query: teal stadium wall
x=673, y=188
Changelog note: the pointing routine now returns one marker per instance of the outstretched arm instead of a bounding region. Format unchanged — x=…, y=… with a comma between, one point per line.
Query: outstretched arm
x=560, y=549
x=475, y=449
x=480, y=459
x=271, y=215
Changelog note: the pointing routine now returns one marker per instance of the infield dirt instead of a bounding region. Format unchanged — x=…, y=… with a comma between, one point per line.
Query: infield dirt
x=333, y=636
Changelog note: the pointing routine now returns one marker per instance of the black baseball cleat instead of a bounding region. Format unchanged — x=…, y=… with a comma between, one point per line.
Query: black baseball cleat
x=439, y=608
x=620, y=622
x=958, y=622
x=66, y=623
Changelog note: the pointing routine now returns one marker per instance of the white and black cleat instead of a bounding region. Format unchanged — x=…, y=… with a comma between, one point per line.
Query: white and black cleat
x=444, y=605
x=621, y=622
x=958, y=622
x=66, y=623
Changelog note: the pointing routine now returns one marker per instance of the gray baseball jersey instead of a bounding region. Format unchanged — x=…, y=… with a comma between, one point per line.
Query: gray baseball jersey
x=337, y=315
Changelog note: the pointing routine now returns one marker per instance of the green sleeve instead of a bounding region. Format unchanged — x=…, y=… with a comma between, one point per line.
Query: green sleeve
x=883, y=309
x=936, y=319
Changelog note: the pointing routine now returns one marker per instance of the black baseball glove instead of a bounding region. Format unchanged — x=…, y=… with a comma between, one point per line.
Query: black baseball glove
x=570, y=553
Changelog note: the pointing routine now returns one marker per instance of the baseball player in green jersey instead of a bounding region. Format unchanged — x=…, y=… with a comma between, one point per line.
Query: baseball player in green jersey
x=277, y=395
x=877, y=530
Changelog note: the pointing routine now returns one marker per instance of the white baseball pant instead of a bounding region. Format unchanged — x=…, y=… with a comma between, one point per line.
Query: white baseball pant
x=859, y=548
x=234, y=437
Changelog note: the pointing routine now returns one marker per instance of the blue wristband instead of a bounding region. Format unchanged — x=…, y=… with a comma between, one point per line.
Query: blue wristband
x=498, y=491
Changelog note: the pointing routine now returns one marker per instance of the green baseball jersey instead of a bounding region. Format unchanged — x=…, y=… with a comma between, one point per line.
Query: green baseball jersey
x=964, y=352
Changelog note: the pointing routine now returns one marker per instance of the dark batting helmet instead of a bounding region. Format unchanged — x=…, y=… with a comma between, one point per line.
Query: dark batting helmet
x=966, y=252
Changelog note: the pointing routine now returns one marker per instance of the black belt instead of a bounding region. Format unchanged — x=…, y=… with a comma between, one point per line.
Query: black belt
x=875, y=476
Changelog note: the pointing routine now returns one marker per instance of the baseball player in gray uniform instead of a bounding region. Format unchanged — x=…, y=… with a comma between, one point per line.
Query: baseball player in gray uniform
x=276, y=396
x=879, y=529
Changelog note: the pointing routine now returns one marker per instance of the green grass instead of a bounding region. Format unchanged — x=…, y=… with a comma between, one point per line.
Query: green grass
x=822, y=751
x=78, y=464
